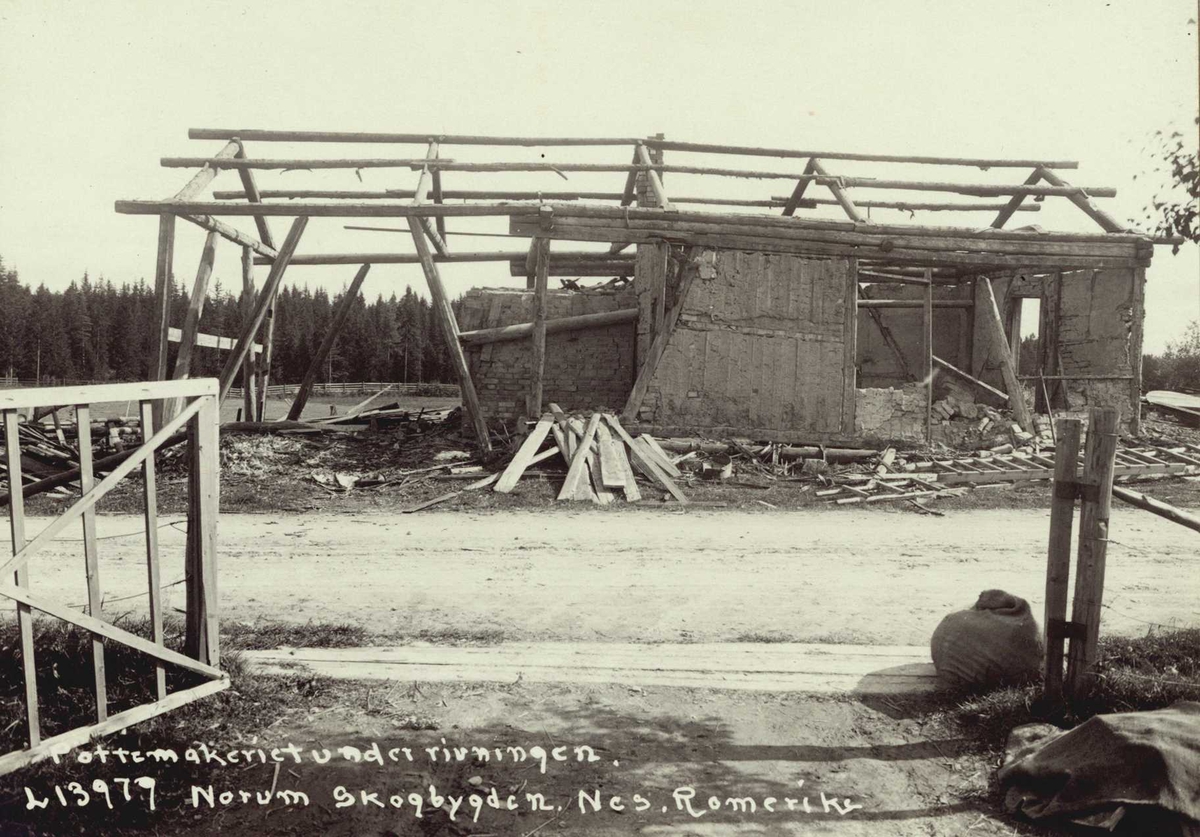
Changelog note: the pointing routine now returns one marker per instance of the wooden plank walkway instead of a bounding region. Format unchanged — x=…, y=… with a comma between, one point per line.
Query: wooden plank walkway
x=773, y=667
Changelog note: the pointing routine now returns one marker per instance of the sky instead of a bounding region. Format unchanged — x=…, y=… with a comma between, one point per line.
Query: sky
x=92, y=95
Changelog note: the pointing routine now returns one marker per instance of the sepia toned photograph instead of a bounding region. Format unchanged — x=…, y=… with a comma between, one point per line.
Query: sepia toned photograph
x=478, y=419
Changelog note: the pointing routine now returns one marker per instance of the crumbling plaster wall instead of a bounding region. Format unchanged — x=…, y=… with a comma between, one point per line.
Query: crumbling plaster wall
x=890, y=414
x=759, y=348
x=1095, y=319
x=585, y=368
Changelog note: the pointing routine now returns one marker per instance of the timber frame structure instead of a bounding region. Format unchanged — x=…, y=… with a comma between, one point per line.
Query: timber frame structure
x=850, y=272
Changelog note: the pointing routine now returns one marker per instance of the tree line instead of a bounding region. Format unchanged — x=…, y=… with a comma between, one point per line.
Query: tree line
x=97, y=330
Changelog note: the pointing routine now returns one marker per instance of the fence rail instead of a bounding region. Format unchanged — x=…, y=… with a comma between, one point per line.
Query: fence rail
x=358, y=388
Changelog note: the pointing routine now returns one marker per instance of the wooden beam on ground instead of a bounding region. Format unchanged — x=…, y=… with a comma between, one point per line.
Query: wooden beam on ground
x=331, y=335
x=1097, y=484
x=839, y=193
x=577, y=471
x=262, y=305
x=798, y=193
x=644, y=460
x=1058, y=558
x=988, y=390
x=612, y=474
x=686, y=271
x=1016, y=398
x=524, y=456
x=537, y=337
x=449, y=326
x=1164, y=510
x=1014, y=203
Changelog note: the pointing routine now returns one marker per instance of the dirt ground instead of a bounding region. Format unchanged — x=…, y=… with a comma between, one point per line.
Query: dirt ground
x=873, y=577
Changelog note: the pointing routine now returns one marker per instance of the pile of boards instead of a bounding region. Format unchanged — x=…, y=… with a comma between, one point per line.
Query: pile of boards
x=42, y=454
x=601, y=457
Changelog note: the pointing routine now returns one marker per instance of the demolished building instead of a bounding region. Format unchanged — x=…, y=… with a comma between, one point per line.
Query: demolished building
x=759, y=323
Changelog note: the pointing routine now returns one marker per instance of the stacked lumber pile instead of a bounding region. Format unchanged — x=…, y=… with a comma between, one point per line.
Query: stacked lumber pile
x=43, y=455
x=600, y=456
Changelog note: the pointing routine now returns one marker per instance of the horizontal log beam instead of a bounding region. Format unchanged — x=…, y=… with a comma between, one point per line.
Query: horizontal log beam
x=210, y=341
x=582, y=267
x=976, y=189
x=531, y=195
x=915, y=303
x=521, y=331
x=1158, y=507
x=580, y=257
x=574, y=211
x=262, y=135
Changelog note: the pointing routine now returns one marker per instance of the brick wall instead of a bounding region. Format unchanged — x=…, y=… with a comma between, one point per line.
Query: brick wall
x=584, y=369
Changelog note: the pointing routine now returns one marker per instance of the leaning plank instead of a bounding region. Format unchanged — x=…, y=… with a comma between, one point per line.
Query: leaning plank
x=104, y=629
x=579, y=461
x=839, y=193
x=449, y=327
x=191, y=322
x=660, y=456
x=687, y=274
x=1158, y=507
x=611, y=453
x=60, y=744
x=519, y=331
x=265, y=301
x=1084, y=202
x=537, y=340
x=205, y=176
x=632, y=492
x=987, y=389
x=1016, y=398
x=644, y=462
x=512, y=474
x=349, y=299
x=655, y=180
x=89, y=499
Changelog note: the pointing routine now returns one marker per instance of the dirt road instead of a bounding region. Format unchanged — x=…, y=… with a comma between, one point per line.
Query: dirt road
x=646, y=575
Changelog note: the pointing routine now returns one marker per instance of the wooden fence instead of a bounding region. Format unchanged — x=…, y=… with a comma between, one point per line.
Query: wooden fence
x=200, y=417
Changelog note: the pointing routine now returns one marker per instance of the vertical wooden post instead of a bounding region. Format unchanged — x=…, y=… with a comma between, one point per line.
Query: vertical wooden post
x=1058, y=557
x=201, y=640
x=850, y=348
x=91, y=561
x=153, y=575
x=537, y=337
x=927, y=354
x=162, y=305
x=449, y=326
x=16, y=522
x=1097, y=482
x=263, y=364
x=335, y=327
x=249, y=401
x=1016, y=398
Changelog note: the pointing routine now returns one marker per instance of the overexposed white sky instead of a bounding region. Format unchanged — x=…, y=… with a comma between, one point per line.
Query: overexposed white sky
x=93, y=94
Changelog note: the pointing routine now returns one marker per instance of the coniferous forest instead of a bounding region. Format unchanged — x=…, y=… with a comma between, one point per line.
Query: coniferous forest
x=97, y=330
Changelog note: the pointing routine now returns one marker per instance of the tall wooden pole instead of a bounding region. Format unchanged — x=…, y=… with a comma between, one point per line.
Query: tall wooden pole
x=927, y=354
x=1096, y=486
x=449, y=326
x=537, y=338
x=1016, y=397
x=331, y=335
x=162, y=304
x=249, y=401
x=265, y=300
x=1058, y=557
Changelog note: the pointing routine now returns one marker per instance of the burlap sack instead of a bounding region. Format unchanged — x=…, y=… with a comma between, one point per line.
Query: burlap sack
x=994, y=643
